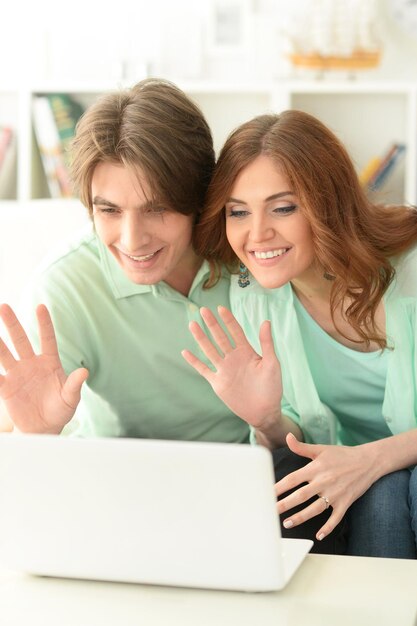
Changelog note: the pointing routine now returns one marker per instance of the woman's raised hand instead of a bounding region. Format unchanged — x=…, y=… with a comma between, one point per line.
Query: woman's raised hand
x=249, y=384
x=39, y=397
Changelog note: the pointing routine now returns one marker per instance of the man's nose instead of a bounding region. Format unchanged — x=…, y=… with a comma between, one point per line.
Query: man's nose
x=134, y=234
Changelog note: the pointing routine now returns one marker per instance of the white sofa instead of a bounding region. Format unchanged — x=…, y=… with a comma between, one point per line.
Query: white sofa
x=28, y=231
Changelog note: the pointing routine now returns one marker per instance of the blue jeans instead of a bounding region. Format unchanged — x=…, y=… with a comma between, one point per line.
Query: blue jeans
x=383, y=522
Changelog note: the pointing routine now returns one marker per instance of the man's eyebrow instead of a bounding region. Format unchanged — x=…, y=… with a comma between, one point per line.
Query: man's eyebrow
x=275, y=196
x=99, y=200
x=103, y=201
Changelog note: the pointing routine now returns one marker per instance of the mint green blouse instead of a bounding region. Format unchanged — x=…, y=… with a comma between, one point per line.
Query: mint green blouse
x=301, y=398
x=350, y=383
x=130, y=338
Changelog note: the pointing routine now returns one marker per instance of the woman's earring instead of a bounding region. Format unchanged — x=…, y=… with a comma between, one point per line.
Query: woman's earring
x=243, y=276
x=328, y=276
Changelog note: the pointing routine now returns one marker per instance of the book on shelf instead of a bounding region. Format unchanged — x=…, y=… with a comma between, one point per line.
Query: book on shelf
x=50, y=148
x=6, y=135
x=8, y=164
x=377, y=170
x=369, y=170
x=66, y=112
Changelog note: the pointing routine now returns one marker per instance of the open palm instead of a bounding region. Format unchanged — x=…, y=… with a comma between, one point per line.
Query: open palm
x=38, y=395
x=249, y=384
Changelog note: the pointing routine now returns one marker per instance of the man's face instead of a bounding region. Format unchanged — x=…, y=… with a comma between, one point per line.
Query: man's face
x=150, y=242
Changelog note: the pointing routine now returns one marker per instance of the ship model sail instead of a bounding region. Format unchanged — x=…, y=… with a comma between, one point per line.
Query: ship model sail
x=335, y=35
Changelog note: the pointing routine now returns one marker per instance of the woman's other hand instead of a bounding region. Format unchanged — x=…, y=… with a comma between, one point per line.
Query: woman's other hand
x=338, y=475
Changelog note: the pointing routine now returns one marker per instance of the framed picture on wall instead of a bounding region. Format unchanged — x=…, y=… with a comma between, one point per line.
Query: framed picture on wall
x=228, y=28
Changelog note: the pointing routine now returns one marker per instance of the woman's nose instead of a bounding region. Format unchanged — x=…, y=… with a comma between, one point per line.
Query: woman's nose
x=261, y=229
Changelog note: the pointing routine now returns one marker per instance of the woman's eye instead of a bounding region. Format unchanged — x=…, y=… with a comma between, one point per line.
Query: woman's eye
x=237, y=213
x=285, y=210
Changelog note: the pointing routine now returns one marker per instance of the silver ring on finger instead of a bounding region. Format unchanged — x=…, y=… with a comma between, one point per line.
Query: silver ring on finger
x=326, y=501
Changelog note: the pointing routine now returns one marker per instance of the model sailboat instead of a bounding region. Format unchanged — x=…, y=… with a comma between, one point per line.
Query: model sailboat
x=336, y=34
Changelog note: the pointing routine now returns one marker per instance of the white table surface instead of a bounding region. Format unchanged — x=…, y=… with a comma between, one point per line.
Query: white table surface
x=326, y=590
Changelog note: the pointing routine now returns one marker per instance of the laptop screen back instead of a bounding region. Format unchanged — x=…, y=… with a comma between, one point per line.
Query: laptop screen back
x=161, y=512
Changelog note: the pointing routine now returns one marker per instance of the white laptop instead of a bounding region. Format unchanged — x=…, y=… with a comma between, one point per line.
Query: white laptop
x=143, y=511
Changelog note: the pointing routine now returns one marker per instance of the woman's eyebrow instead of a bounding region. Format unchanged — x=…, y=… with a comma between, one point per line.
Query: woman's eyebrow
x=281, y=194
x=275, y=196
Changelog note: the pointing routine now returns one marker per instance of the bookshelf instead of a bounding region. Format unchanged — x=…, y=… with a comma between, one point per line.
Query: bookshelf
x=367, y=116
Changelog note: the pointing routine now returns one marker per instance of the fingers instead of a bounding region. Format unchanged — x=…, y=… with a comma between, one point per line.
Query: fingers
x=266, y=341
x=330, y=525
x=46, y=331
x=304, y=474
x=314, y=505
x=222, y=346
x=7, y=360
x=293, y=480
x=198, y=365
x=313, y=509
x=298, y=497
x=71, y=391
x=217, y=332
x=233, y=326
x=308, y=450
x=204, y=343
x=16, y=333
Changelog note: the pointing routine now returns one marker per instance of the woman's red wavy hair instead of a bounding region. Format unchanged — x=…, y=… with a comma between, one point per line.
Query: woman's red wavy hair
x=354, y=239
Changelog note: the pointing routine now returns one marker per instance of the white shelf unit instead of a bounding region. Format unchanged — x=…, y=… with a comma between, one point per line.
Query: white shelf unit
x=367, y=116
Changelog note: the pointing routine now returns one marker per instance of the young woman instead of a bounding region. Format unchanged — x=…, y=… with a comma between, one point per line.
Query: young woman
x=119, y=300
x=336, y=276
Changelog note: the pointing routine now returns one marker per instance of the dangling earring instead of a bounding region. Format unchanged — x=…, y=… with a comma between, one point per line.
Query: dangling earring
x=243, y=276
x=328, y=276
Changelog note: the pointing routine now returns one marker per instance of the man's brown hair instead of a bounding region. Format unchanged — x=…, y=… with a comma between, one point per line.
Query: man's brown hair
x=153, y=127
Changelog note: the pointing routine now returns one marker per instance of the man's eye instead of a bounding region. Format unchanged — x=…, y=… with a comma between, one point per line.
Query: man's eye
x=156, y=209
x=105, y=209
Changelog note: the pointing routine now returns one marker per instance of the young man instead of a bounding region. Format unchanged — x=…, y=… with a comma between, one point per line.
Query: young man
x=119, y=301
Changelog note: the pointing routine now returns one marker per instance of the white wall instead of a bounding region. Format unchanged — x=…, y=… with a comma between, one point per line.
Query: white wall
x=93, y=39
x=101, y=39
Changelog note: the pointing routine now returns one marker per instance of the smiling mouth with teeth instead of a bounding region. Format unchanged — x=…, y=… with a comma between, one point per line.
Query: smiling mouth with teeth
x=145, y=257
x=270, y=254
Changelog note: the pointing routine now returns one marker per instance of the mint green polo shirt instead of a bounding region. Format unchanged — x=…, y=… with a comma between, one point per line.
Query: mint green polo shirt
x=130, y=338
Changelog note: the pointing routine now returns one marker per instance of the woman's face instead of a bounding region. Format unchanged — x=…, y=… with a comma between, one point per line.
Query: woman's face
x=149, y=241
x=265, y=226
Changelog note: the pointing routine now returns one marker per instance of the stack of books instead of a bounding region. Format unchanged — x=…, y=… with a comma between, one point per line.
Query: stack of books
x=55, y=117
